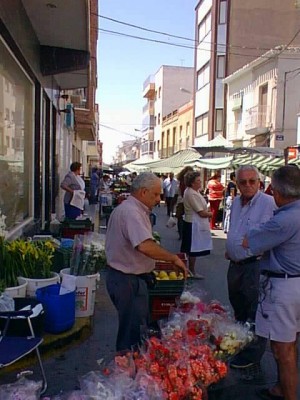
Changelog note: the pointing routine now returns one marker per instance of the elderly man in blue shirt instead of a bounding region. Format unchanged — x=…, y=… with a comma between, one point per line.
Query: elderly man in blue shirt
x=248, y=210
x=278, y=314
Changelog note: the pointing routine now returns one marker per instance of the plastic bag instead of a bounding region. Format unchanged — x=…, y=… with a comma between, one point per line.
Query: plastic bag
x=88, y=255
x=23, y=389
x=6, y=303
x=171, y=222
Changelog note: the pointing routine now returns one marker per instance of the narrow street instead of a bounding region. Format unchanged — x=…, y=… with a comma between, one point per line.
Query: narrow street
x=64, y=370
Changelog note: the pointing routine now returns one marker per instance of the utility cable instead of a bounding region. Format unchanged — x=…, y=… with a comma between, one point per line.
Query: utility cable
x=117, y=130
x=176, y=36
x=192, y=47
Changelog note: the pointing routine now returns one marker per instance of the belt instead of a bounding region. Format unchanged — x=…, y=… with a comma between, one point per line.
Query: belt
x=271, y=274
x=246, y=260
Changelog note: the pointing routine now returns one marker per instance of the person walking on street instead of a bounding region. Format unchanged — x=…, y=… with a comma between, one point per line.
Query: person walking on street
x=215, y=196
x=170, y=187
x=196, y=235
x=231, y=192
x=180, y=205
x=249, y=209
x=278, y=314
x=131, y=253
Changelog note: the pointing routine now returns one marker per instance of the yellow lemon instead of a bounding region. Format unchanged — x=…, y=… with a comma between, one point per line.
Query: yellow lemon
x=173, y=275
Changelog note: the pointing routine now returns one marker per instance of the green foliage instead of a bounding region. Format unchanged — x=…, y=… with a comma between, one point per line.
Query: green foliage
x=24, y=258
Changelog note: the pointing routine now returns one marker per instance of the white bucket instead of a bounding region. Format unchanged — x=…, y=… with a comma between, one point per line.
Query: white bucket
x=85, y=293
x=17, y=291
x=34, y=284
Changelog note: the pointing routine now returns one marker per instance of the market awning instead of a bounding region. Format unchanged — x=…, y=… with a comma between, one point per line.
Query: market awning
x=217, y=145
x=211, y=163
x=140, y=165
x=174, y=163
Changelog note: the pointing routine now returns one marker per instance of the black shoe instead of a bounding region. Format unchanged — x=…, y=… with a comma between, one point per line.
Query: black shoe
x=239, y=362
x=267, y=395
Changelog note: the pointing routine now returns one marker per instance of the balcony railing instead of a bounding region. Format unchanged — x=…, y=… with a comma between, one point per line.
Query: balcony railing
x=149, y=107
x=257, y=119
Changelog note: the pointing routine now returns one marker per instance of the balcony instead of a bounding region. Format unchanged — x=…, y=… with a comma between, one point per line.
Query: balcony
x=149, y=107
x=149, y=88
x=257, y=120
x=234, y=130
x=147, y=148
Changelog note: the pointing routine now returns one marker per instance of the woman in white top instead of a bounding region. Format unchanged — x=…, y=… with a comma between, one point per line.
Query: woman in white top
x=72, y=184
x=196, y=236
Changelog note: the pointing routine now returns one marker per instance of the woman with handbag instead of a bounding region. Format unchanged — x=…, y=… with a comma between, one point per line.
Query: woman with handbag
x=196, y=235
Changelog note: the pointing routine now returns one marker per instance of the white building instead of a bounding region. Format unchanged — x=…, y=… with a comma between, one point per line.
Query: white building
x=263, y=100
x=166, y=91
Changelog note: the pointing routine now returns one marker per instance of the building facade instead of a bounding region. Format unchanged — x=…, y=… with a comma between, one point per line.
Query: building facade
x=263, y=101
x=165, y=91
x=177, y=130
x=230, y=34
x=46, y=49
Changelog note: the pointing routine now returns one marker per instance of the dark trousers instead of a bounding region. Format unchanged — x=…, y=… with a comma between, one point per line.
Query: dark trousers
x=129, y=295
x=243, y=290
x=72, y=212
x=170, y=202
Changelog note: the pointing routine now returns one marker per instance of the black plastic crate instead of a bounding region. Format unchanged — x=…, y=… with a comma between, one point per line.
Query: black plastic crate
x=72, y=227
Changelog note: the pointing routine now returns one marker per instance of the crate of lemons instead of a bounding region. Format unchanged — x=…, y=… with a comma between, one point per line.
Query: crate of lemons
x=168, y=275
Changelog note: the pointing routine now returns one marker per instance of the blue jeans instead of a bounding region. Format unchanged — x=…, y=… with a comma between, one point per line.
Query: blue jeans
x=129, y=295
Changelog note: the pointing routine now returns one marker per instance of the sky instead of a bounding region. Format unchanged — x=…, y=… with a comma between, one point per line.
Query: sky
x=124, y=63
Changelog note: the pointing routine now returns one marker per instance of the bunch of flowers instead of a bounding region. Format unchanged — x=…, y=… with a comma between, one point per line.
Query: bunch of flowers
x=88, y=256
x=32, y=259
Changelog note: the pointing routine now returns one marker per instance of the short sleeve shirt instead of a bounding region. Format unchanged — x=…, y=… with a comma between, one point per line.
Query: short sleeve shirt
x=129, y=225
x=193, y=202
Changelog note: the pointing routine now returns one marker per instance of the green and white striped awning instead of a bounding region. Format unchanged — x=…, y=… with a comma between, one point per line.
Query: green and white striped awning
x=174, y=163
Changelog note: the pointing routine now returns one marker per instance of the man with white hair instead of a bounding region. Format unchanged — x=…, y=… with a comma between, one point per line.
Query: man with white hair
x=249, y=209
x=131, y=253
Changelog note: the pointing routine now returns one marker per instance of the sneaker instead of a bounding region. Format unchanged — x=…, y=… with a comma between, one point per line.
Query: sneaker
x=239, y=363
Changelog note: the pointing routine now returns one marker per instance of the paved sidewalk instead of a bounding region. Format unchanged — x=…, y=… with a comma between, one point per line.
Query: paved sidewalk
x=64, y=369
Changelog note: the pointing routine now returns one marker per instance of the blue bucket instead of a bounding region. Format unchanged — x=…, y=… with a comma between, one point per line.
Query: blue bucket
x=59, y=309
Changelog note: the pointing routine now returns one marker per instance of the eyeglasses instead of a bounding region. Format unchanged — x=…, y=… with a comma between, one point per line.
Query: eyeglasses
x=244, y=182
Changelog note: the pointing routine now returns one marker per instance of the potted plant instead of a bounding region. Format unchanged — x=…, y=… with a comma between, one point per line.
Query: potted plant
x=35, y=263
x=10, y=282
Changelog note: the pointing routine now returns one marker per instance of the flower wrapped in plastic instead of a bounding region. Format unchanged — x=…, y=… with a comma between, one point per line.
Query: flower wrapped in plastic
x=229, y=338
x=88, y=255
x=21, y=389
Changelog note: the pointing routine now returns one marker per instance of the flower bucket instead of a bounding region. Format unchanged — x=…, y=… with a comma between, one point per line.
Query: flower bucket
x=17, y=291
x=59, y=308
x=34, y=284
x=85, y=293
